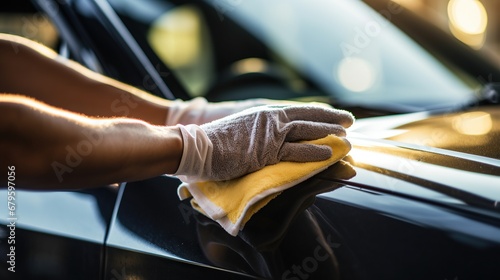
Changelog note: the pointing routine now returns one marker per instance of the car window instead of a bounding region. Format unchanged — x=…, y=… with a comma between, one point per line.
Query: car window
x=181, y=39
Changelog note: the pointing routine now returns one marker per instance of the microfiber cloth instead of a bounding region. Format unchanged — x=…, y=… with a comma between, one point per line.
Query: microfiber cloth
x=232, y=203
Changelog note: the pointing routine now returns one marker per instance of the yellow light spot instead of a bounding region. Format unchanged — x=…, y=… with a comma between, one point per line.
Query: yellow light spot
x=175, y=37
x=468, y=21
x=250, y=65
x=181, y=40
x=468, y=15
x=473, y=123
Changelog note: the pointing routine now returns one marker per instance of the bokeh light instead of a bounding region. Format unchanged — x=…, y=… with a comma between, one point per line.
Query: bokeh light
x=473, y=123
x=468, y=21
x=356, y=74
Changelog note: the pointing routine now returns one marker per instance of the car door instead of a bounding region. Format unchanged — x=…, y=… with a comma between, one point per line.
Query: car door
x=153, y=235
x=52, y=234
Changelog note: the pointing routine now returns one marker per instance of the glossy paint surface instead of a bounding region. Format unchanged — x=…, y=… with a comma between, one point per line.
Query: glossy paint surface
x=432, y=157
x=58, y=235
x=320, y=229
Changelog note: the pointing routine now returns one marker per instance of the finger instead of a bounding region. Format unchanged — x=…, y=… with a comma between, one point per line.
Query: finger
x=319, y=114
x=300, y=152
x=304, y=130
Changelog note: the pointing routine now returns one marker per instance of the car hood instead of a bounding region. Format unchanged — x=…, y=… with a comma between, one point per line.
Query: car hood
x=451, y=158
x=474, y=132
x=391, y=195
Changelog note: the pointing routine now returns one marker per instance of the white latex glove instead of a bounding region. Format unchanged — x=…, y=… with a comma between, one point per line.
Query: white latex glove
x=200, y=111
x=245, y=142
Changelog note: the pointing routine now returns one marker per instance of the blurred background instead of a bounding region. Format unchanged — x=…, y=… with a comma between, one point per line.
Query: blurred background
x=21, y=18
x=473, y=22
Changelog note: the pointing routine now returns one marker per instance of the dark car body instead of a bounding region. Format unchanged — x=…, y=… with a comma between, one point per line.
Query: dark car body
x=424, y=202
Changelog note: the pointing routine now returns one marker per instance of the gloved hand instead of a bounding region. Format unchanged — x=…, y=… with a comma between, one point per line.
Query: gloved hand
x=200, y=111
x=247, y=141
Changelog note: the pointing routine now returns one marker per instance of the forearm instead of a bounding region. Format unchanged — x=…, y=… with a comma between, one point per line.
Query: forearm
x=52, y=148
x=34, y=70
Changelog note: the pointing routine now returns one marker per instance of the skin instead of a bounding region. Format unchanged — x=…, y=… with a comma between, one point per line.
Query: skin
x=34, y=70
x=81, y=145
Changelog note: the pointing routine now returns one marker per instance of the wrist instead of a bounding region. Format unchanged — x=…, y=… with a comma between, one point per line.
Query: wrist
x=186, y=112
x=174, y=149
x=146, y=150
x=196, y=157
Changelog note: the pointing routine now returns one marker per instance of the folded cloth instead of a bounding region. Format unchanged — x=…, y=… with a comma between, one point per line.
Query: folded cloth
x=232, y=203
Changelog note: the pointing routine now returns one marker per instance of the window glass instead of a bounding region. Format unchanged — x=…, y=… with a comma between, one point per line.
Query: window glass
x=340, y=49
x=180, y=38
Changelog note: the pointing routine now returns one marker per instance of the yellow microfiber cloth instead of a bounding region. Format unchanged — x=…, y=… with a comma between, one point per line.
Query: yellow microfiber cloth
x=232, y=203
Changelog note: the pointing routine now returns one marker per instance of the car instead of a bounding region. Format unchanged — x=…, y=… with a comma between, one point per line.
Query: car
x=418, y=196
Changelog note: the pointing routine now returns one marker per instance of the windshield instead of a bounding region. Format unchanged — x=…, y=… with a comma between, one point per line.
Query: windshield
x=351, y=51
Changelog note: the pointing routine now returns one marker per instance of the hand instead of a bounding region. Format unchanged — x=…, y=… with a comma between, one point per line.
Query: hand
x=199, y=110
x=247, y=141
